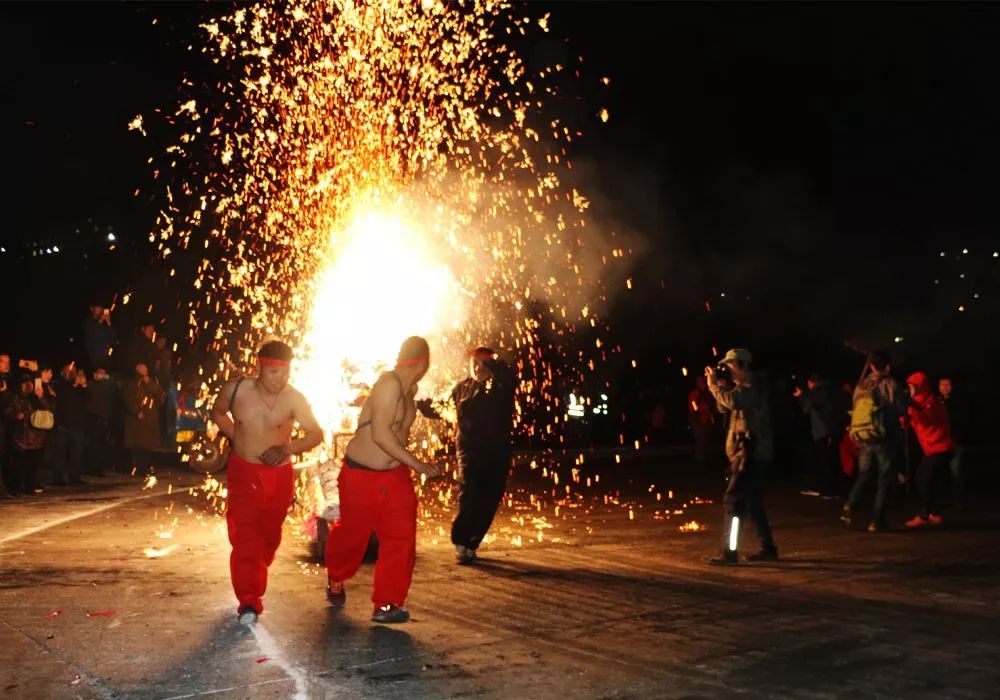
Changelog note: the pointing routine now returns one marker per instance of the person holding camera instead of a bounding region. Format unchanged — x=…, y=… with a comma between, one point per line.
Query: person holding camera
x=750, y=450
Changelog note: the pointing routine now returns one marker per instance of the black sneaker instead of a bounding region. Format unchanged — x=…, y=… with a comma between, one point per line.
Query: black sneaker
x=766, y=554
x=728, y=558
x=390, y=614
x=247, y=616
x=335, y=593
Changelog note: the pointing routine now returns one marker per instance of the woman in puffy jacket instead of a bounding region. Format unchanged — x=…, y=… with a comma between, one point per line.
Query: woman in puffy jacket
x=26, y=442
x=928, y=416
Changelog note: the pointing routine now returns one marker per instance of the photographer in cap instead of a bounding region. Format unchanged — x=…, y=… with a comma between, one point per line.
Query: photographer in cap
x=749, y=447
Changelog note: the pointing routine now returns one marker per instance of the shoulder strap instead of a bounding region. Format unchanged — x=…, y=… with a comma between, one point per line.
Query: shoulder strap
x=232, y=398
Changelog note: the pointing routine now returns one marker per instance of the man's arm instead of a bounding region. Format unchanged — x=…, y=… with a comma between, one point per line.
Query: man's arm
x=307, y=421
x=385, y=397
x=221, y=409
x=725, y=399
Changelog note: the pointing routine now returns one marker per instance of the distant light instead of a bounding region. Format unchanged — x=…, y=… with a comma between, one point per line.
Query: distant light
x=976, y=295
x=996, y=254
x=48, y=251
x=2, y=249
x=961, y=308
x=942, y=253
x=898, y=339
x=965, y=251
x=111, y=237
x=961, y=276
x=722, y=294
x=55, y=249
x=604, y=397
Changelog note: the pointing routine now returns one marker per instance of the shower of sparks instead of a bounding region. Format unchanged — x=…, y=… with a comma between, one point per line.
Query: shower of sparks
x=373, y=171
x=368, y=172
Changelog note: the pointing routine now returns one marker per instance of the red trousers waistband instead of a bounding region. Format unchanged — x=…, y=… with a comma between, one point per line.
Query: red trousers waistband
x=236, y=461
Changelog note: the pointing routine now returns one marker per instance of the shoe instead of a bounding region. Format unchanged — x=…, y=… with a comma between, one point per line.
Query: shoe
x=728, y=558
x=809, y=492
x=390, y=614
x=464, y=555
x=247, y=616
x=877, y=527
x=846, y=516
x=335, y=593
x=766, y=554
x=917, y=521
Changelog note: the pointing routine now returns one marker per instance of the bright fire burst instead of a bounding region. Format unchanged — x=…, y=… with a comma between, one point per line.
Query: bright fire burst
x=368, y=171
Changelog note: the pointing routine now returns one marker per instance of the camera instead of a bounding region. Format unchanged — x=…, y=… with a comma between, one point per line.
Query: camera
x=723, y=373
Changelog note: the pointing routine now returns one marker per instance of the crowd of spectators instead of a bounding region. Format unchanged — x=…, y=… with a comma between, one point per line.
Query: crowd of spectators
x=114, y=408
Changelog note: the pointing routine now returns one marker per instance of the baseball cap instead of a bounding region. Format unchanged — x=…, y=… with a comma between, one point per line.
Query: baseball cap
x=741, y=355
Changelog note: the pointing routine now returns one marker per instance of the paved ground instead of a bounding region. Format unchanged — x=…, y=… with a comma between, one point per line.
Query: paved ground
x=602, y=597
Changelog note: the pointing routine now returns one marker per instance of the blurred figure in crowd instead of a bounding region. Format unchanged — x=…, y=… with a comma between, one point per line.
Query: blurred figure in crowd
x=701, y=417
x=826, y=427
x=929, y=418
x=71, y=426
x=960, y=414
x=876, y=419
x=99, y=338
x=142, y=396
x=26, y=440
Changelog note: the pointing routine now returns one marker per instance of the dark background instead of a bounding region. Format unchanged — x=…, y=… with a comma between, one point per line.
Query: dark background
x=797, y=169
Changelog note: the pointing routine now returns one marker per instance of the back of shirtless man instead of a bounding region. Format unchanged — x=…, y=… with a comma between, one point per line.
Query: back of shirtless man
x=376, y=490
x=258, y=416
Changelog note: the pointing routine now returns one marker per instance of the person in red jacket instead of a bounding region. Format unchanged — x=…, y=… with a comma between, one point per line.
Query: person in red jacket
x=928, y=416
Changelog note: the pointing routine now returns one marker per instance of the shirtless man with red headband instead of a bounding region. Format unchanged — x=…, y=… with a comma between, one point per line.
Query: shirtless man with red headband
x=376, y=490
x=258, y=416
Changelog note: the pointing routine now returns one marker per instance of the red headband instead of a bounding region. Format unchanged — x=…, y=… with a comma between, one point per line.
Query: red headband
x=414, y=362
x=273, y=362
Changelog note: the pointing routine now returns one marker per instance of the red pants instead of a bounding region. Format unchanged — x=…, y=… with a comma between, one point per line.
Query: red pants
x=258, y=501
x=383, y=503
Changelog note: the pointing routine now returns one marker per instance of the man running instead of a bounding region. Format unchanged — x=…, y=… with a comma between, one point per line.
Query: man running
x=376, y=491
x=258, y=416
x=485, y=406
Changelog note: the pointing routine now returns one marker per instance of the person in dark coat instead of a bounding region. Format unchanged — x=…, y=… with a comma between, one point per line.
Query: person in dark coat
x=484, y=405
x=26, y=441
x=826, y=427
x=100, y=401
x=99, y=338
x=142, y=396
x=71, y=425
x=960, y=414
x=141, y=349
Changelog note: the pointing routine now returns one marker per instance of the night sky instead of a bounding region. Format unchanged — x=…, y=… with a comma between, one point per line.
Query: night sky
x=808, y=161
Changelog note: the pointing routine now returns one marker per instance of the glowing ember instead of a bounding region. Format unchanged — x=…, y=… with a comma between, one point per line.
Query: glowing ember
x=154, y=553
x=692, y=526
x=149, y=483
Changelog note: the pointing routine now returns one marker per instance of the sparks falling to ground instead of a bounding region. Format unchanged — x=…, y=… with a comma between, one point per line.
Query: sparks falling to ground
x=370, y=171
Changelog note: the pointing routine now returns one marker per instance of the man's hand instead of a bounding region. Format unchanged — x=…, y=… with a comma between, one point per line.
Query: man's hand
x=710, y=373
x=427, y=469
x=274, y=456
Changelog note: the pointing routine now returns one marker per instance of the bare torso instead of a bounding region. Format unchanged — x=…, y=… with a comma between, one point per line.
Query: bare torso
x=362, y=447
x=262, y=420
